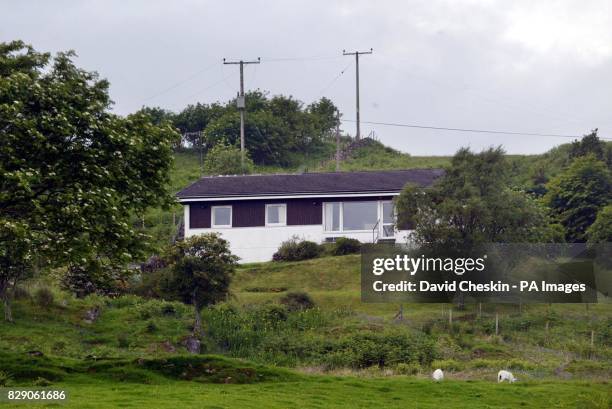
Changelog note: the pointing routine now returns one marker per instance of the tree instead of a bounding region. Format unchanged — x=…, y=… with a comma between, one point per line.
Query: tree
x=473, y=204
x=591, y=145
x=224, y=159
x=200, y=272
x=264, y=134
x=601, y=229
x=72, y=174
x=578, y=194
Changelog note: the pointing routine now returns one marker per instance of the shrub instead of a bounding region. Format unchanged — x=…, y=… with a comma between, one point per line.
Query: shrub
x=5, y=378
x=448, y=365
x=345, y=245
x=40, y=381
x=21, y=293
x=123, y=341
x=297, y=301
x=151, y=327
x=407, y=369
x=44, y=297
x=95, y=278
x=295, y=250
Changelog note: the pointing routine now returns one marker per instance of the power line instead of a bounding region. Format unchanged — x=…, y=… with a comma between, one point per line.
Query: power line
x=214, y=84
x=442, y=128
x=333, y=81
x=181, y=82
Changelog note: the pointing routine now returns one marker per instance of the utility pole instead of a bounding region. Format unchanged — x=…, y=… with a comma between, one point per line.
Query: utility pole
x=337, y=141
x=356, y=54
x=240, y=102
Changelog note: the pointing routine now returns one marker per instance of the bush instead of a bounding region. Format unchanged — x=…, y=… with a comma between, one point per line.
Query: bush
x=448, y=365
x=123, y=341
x=345, y=245
x=44, y=297
x=40, y=381
x=295, y=250
x=94, y=278
x=297, y=301
x=407, y=369
x=21, y=293
x=5, y=379
x=151, y=327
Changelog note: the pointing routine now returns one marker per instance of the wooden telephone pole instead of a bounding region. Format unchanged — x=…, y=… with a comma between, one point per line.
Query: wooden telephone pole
x=357, y=54
x=240, y=102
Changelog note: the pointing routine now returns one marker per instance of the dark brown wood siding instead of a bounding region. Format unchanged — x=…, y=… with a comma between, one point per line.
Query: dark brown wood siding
x=302, y=212
x=252, y=213
x=248, y=213
x=199, y=215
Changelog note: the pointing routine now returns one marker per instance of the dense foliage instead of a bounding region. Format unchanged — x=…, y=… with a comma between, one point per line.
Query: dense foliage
x=472, y=204
x=296, y=249
x=223, y=159
x=345, y=245
x=72, y=174
x=578, y=194
x=201, y=270
x=275, y=129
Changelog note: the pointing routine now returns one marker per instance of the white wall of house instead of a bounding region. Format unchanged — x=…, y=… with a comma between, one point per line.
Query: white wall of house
x=256, y=244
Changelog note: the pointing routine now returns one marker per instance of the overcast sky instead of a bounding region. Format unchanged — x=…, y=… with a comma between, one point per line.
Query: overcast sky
x=523, y=66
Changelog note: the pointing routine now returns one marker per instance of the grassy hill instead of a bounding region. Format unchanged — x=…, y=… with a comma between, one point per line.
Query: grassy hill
x=343, y=352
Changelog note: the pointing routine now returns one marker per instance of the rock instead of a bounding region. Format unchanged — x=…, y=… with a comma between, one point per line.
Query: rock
x=168, y=347
x=192, y=344
x=92, y=315
x=35, y=353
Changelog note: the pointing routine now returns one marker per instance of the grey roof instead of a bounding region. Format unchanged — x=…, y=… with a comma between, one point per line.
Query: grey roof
x=308, y=183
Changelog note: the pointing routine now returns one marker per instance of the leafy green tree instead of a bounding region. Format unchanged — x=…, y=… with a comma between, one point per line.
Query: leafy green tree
x=591, y=145
x=578, y=194
x=200, y=273
x=72, y=174
x=158, y=116
x=275, y=127
x=601, y=229
x=324, y=115
x=225, y=159
x=195, y=118
x=473, y=204
x=264, y=134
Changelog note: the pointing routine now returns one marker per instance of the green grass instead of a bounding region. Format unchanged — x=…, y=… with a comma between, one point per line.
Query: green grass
x=336, y=392
x=123, y=360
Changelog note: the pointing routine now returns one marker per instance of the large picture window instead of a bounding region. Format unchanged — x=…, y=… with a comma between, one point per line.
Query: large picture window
x=358, y=216
x=221, y=216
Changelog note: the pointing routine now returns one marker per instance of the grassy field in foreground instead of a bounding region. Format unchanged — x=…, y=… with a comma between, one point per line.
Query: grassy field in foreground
x=337, y=392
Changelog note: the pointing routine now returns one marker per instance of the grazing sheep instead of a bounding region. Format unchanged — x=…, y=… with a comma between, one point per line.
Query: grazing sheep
x=505, y=376
x=437, y=375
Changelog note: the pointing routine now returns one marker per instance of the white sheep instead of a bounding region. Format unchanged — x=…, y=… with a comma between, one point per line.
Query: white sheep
x=437, y=375
x=505, y=376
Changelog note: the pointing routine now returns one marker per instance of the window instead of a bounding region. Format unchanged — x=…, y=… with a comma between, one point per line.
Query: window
x=388, y=219
x=359, y=215
x=221, y=216
x=332, y=216
x=276, y=214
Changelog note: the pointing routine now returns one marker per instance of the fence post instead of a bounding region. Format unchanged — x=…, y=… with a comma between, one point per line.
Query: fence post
x=496, y=323
x=592, y=338
x=450, y=318
x=479, y=310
